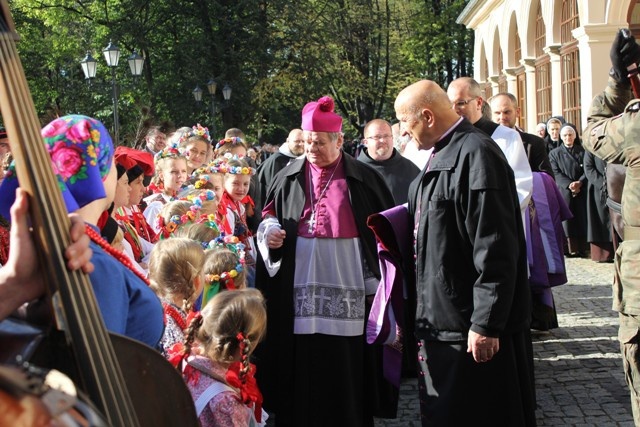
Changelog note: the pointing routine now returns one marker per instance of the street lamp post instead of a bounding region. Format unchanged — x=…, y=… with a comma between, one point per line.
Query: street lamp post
x=226, y=92
x=89, y=65
x=211, y=88
x=112, y=57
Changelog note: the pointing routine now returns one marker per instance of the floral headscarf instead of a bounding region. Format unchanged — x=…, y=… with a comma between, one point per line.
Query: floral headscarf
x=81, y=153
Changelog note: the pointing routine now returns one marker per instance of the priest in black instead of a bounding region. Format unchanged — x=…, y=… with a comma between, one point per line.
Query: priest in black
x=380, y=154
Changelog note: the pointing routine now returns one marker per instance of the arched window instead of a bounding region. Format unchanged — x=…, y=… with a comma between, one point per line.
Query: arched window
x=570, y=63
x=521, y=85
x=487, y=85
x=543, y=71
x=502, y=77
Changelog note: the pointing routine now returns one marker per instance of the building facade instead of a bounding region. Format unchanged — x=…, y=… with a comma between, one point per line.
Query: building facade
x=553, y=55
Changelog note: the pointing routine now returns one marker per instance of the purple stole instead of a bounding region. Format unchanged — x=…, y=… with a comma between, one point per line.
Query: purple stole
x=392, y=229
x=545, y=243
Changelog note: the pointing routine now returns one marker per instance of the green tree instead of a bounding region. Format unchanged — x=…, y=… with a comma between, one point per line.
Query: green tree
x=436, y=47
x=275, y=54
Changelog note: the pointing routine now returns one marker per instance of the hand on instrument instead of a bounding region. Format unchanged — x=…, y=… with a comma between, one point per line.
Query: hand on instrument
x=21, y=277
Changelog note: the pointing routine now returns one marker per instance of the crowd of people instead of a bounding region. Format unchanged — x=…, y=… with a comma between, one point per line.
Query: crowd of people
x=255, y=271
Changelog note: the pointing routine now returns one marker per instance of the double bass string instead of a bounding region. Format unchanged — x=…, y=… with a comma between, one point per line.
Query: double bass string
x=75, y=295
x=107, y=381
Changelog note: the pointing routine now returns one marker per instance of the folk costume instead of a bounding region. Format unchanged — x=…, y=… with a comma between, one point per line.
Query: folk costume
x=141, y=235
x=217, y=403
x=82, y=155
x=315, y=367
x=232, y=217
x=471, y=275
x=175, y=321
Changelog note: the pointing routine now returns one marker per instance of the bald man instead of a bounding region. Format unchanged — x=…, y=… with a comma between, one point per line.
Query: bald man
x=473, y=303
x=466, y=97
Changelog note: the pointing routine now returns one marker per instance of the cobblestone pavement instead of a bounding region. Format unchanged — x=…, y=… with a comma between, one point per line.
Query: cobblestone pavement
x=579, y=376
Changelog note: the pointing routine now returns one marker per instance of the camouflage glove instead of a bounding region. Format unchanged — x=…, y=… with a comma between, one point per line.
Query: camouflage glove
x=624, y=52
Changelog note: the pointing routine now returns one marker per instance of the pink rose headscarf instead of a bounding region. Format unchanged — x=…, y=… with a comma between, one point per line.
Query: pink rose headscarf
x=81, y=153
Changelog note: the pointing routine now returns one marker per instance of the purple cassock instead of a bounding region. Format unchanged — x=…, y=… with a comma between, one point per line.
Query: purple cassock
x=392, y=229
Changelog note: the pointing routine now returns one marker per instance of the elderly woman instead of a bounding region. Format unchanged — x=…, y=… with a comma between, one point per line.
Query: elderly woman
x=567, y=164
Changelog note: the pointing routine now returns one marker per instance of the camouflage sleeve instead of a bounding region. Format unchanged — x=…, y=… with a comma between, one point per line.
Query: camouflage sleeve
x=610, y=123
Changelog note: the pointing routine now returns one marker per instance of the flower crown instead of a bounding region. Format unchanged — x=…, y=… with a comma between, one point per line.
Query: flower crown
x=226, y=278
x=197, y=130
x=235, y=140
x=212, y=167
x=201, y=182
x=169, y=152
x=166, y=229
x=209, y=221
x=204, y=196
x=235, y=170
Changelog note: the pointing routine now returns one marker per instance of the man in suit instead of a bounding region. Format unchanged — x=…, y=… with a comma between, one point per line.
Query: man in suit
x=505, y=111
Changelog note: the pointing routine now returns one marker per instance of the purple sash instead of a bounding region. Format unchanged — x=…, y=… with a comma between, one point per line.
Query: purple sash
x=393, y=235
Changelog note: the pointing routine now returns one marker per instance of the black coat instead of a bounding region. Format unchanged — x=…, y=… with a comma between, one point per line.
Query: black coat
x=598, y=222
x=266, y=172
x=397, y=171
x=551, y=144
x=568, y=168
x=274, y=357
x=536, y=150
x=471, y=258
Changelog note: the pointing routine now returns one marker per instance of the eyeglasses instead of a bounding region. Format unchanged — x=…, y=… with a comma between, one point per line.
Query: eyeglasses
x=462, y=104
x=378, y=137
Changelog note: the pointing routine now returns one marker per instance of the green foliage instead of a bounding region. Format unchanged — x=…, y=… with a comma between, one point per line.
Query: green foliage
x=275, y=54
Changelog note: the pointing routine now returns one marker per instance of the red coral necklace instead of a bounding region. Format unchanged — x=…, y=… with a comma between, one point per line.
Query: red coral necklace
x=120, y=256
x=175, y=315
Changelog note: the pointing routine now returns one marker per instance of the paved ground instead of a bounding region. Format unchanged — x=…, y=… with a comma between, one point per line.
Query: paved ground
x=579, y=377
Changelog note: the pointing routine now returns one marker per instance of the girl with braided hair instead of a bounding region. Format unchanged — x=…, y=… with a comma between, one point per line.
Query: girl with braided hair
x=175, y=274
x=217, y=349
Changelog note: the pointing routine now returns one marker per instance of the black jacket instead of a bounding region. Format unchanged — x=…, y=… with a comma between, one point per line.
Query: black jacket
x=397, y=171
x=536, y=150
x=471, y=258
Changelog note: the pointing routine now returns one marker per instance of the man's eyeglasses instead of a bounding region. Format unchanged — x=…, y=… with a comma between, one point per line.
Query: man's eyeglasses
x=378, y=137
x=462, y=104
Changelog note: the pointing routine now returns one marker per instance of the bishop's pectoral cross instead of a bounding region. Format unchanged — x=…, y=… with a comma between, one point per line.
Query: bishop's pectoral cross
x=312, y=222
